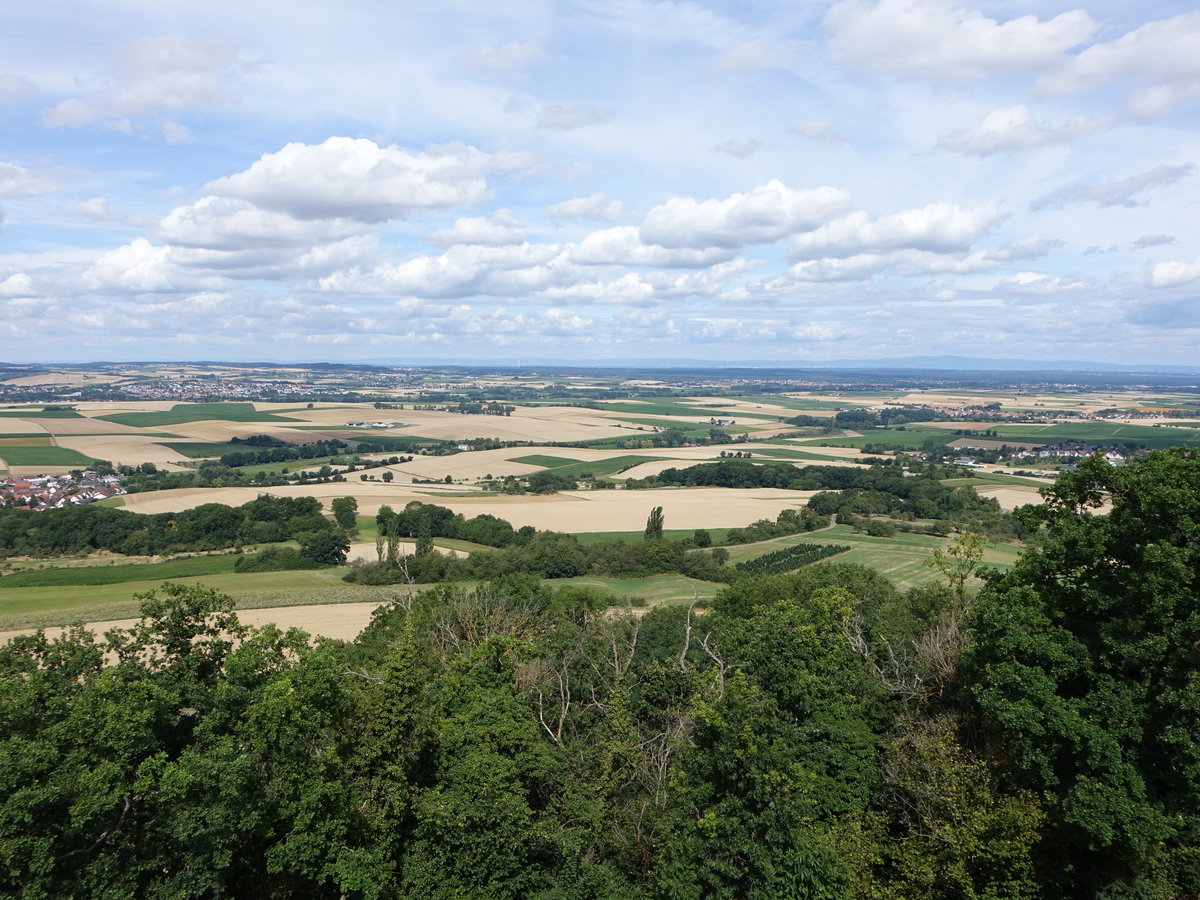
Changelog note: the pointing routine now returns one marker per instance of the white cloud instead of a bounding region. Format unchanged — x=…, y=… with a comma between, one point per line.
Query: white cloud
x=225, y=223
x=507, y=58
x=17, y=181
x=357, y=179
x=598, y=207
x=937, y=228
x=623, y=246
x=1041, y=283
x=1174, y=273
x=1125, y=192
x=14, y=87
x=561, y=117
x=19, y=284
x=766, y=214
x=169, y=72
x=462, y=271
x=937, y=41
x=141, y=266
x=501, y=229
x=1013, y=128
x=1161, y=55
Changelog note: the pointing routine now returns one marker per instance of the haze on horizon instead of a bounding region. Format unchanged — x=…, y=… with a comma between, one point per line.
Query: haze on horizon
x=629, y=179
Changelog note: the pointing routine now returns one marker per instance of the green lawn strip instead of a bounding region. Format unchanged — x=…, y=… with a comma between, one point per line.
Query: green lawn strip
x=43, y=456
x=993, y=478
x=696, y=430
x=546, y=462
x=110, y=501
x=196, y=412
x=33, y=607
x=40, y=414
x=655, y=589
x=119, y=574
x=456, y=544
x=671, y=534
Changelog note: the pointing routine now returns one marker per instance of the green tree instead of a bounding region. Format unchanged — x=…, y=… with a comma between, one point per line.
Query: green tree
x=654, y=524
x=1083, y=673
x=345, y=512
x=325, y=548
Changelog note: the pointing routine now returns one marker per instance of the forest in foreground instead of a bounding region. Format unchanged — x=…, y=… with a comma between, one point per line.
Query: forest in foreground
x=817, y=734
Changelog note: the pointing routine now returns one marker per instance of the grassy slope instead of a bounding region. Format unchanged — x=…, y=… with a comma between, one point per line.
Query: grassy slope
x=43, y=456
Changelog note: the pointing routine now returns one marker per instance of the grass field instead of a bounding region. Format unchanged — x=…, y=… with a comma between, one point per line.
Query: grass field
x=654, y=590
x=1101, y=433
x=31, y=607
x=546, y=462
x=43, y=456
x=901, y=558
x=671, y=534
x=196, y=412
x=72, y=576
x=670, y=408
x=202, y=449
x=39, y=413
x=911, y=438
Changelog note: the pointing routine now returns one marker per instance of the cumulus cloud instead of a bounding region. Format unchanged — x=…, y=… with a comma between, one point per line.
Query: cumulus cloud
x=560, y=117
x=766, y=214
x=739, y=149
x=1159, y=56
x=623, y=246
x=1014, y=128
x=1126, y=192
x=499, y=230
x=17, y=181
x=937, y=228
x=357, y=179
x=14, y=87
x=598, y=207
x=226, y=223
x=937, y=41
x=18, y=284
x=166, y=73
x=506, y=58
x=141, y=266
x=1174, y=273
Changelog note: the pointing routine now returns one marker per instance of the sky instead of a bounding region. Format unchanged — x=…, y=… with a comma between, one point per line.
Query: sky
x=615, y=180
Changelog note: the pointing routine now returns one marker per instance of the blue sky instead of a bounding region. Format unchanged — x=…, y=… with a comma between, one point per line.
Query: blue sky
x=619, y=179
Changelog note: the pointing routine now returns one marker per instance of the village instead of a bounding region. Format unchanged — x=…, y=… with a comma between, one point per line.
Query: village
x=42, y=492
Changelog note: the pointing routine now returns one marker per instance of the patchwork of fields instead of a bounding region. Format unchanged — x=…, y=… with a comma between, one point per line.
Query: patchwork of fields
x=610, y=439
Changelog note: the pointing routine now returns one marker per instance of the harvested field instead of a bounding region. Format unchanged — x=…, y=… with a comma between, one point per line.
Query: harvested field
x=22, y=426
x=1010, y=496
x=341, y=621
x=123, y=449
x=569, y=511
x=86, y=425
